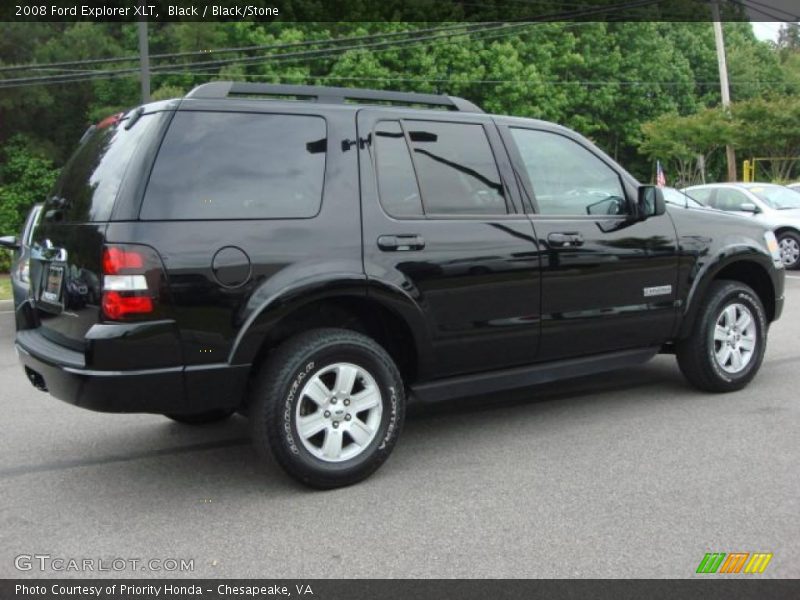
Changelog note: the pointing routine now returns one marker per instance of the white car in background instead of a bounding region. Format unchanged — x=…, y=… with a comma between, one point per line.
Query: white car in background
x=775, y=205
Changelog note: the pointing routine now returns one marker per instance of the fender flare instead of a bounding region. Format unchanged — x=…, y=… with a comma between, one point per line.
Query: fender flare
x=729, y=255
x=268, y=312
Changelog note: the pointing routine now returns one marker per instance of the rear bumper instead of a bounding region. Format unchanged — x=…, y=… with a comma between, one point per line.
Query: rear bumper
x=172, y=390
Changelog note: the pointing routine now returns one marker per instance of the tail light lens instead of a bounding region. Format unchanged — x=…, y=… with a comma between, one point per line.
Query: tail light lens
x=133, y=280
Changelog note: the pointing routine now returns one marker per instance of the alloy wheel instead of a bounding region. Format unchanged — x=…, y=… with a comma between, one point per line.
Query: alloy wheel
x=339, y=412
x=790, y=251
x=734, y=338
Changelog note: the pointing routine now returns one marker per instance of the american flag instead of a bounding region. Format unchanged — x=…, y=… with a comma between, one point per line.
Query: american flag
x=661, y=181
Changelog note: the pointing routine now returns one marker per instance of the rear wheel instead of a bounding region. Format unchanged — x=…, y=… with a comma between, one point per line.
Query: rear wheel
x=726, y=347
x=329, y=405
x=789, y=246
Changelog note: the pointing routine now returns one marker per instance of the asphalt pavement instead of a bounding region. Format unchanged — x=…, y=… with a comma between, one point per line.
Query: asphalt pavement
x=627, y=474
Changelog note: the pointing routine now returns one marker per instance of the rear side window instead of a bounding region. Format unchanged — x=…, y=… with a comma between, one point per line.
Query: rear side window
x=92, y=177
x=456, y=168
x=238, y=166
x=397, y=183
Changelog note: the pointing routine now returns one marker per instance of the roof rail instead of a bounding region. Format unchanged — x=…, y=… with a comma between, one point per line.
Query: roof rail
x=328, y=95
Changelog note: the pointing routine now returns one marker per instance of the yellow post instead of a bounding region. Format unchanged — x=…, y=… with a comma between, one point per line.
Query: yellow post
x=746, y=173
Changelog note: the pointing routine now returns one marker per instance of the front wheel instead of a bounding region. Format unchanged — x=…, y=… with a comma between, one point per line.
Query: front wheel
x=329, y=404
x=726, y=346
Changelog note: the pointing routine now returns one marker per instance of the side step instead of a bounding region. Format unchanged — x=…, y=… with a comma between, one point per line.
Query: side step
x=519, y=377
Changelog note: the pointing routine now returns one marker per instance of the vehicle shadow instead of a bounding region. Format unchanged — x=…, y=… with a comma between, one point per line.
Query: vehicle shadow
x=223, y=454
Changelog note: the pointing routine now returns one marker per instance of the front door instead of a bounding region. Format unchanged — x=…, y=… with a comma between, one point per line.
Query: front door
x=443, y=227
x=608, y=279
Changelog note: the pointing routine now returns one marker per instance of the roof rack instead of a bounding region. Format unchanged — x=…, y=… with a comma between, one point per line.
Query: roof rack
x=328, y=95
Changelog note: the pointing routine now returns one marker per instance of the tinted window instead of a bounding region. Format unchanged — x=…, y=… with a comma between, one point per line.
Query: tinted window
x=90, y=180
x=567, y=179
x=397, y=183
x=456, y=168
x=238, y=166
x=730, y=199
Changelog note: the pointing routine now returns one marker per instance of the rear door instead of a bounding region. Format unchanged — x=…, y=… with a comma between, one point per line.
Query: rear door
x=443, y=226
x=608, y=280
x=67, y=246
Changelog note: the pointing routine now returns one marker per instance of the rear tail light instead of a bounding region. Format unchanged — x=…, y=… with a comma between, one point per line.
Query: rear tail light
x=133, y=278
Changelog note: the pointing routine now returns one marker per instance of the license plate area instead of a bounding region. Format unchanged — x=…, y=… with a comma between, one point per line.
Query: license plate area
x=52, y=285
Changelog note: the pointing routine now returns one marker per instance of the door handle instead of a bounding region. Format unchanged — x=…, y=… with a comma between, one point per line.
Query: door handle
x=401, y=243
x=565, y=240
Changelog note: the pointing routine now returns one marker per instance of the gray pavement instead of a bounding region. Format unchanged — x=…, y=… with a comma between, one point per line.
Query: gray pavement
x=628, y=474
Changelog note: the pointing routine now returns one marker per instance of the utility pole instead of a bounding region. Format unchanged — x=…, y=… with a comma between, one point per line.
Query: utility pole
x=723, y=82
x=144, y=58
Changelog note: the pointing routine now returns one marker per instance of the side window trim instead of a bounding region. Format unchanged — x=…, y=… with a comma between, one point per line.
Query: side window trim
x=407, y=140
x=373, y=153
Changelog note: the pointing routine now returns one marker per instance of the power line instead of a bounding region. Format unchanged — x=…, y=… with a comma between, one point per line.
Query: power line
x=86, y=76
x=791, y=16
x=282, y=57
x=279, y=46
x=502, y=81
x=200, y=68
x=753, y=6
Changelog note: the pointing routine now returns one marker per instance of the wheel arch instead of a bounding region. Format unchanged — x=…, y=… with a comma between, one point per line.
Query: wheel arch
x=748, y=269
x=390, y=318
x=787, y=229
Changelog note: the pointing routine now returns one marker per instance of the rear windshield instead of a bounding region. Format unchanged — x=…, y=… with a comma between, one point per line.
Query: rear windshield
x=216, y=165
x=90, y=180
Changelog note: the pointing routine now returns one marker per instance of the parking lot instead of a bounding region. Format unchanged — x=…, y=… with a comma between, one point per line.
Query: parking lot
x=628, y=474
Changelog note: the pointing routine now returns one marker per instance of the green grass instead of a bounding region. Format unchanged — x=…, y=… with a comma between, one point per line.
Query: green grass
x=5, y=287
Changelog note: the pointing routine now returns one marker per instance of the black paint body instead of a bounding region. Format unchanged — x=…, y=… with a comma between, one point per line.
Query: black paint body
x=485, y=294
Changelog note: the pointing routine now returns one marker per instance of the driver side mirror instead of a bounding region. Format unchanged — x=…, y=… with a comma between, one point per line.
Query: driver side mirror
x=749, y=207
x=10, y=242
x=650, y=202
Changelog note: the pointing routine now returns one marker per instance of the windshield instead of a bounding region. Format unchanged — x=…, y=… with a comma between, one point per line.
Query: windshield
x=776, y=196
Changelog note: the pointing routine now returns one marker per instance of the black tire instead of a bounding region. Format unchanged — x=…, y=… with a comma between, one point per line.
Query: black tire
x=278, y=390
x=792, y=237
x=697, y=353
x=212, y=416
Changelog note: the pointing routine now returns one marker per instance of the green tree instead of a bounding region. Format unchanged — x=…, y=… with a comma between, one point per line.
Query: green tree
x=26, y=178
x=684, y=144
x=770, y=129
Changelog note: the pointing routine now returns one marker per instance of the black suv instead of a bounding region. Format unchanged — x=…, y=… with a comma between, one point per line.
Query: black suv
x=316, y=264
